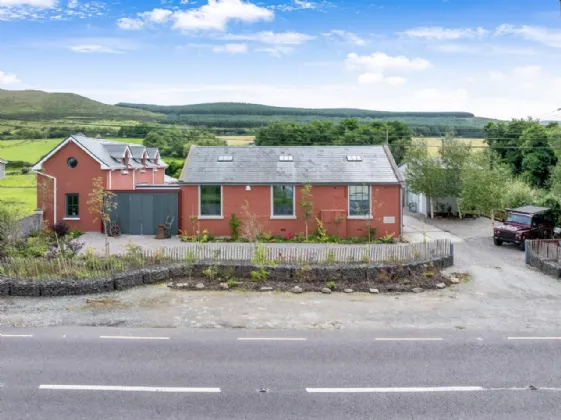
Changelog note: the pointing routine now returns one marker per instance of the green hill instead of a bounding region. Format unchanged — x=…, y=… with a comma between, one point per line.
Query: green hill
x=236, y=108
x=36, y=104
x=238, y=116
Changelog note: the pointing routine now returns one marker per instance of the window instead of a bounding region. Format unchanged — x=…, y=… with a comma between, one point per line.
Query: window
x=210, y=201
x=354, y=158
x=283, y=200
x=359, y=201
x=72, y=162
x=225, y=158
x=286, y=158
x=72, y=206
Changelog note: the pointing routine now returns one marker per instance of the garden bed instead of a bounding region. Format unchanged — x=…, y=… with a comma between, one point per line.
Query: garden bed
x=212, y=275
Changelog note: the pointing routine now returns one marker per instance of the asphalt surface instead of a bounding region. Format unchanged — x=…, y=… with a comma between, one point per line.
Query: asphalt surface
x=218, y=374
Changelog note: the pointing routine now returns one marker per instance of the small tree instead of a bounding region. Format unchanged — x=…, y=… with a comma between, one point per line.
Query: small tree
x=307, y=205
x=425, y=174
x=45, y=193
x=101, y=204
x=9, y=226
x=250, y=229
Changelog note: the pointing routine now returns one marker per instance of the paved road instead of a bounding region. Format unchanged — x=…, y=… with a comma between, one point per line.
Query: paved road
x=201, y=374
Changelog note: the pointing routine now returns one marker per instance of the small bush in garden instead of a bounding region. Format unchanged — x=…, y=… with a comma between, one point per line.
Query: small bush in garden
x=304, y=273
x=259, y=275
x=429, y=274
x=371, y=233
x=387, y=239
x=234, y=226
x=321, y=232
x=75, y=233
x=232, y=283
x=61, y=229
x=331, y=285
x=72, y=248
x=331, y=260
x=24, y=171
x=289, y=236
x=211, y=272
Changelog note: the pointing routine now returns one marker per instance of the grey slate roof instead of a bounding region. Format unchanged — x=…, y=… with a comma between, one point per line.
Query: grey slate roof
x=311, y=164
x=110, y=153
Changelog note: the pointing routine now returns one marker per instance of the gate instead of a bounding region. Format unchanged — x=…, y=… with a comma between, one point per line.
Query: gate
x=140, y=213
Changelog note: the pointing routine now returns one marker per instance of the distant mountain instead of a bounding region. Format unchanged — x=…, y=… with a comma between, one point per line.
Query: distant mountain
x=36, y=104
x=238, y=116
x=237, y=108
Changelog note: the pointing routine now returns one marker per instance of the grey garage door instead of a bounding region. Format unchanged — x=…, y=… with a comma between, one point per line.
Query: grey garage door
x=141, y=213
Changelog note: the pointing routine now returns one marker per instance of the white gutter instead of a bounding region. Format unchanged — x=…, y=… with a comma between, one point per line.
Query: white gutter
x=133, y=181
x=54, y=194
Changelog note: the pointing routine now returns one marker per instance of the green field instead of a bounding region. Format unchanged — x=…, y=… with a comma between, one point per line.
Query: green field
x=434, y=143
x=23, y=200
x=33, y=150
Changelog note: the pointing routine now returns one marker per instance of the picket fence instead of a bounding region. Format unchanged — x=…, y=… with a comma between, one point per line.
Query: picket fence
x=305, y=253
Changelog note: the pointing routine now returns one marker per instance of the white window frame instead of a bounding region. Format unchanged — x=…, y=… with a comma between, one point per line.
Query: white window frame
x=363, y=217
x=66, y=216
x=286, y=217
x=203, y=217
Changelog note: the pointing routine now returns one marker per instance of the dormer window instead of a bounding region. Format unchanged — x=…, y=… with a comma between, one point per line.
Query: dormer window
x=286, y=158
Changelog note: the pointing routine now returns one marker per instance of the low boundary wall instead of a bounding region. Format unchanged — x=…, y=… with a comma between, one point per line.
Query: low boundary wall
x=279, y=273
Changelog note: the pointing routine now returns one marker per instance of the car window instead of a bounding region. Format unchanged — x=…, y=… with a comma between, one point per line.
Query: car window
x=518, y=218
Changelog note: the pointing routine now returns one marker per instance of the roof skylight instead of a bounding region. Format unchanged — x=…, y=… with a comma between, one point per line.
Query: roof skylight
x=354, y=158
x=286, y=158
x=225, y=158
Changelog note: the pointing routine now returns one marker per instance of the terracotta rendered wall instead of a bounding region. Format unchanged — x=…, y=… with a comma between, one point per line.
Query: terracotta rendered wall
x=385, y=206
x=78, y=180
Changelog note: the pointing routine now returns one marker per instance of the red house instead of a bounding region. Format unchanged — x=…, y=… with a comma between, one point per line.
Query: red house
x=354, y=188
x=351, y=185
x=65, y=176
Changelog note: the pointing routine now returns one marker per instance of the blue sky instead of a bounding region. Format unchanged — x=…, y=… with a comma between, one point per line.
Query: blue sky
x=495, y=58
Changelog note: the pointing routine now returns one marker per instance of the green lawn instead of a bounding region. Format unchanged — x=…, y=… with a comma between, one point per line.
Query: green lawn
x=24, y=200
x=33, y=150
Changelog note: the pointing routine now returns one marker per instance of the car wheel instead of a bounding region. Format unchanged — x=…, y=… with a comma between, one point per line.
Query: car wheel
x=522, y=246
x=497, y=242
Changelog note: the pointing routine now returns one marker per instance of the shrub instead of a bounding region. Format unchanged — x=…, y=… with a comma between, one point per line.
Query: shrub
x=75, y=233
x=331, y=285
x=9, y=227
x=234, y=226
x=289, y=236
x=232, y=283
x=61, y=229
x=24, y=171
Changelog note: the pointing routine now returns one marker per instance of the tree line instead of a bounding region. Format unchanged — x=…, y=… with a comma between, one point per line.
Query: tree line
x=521, y=166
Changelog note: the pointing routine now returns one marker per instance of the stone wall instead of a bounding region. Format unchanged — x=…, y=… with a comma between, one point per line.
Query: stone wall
x=31, y=223
x=279, y=273
x=551, y=268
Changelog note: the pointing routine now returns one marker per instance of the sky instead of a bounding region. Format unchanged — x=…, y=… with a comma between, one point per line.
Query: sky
x=494, y=58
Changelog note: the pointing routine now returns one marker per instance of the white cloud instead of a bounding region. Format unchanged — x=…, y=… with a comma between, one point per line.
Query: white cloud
x=482, y=49
x=94, y=48
x=380, y=62
x=130, y=24
x=549, y=37
x=299, y=5
x=344, y=36
x=217, y=13
x=274, y=38
x=8, y=79
x=72, y=4
x=379, y=78
x=231, y=48
x=33, y=3
x=156, y=15
x=445, y=34
x=277, y=51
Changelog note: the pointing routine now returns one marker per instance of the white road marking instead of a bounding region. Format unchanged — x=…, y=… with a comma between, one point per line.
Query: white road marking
x=272, y=339
x=127, y=337
x=397, y=390
x=407, y=339
x=534, y=338
x=15, y=335
x=422, y=389
x=125, y=388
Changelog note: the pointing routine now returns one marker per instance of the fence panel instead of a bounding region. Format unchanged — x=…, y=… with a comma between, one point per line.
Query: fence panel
x=311, y=253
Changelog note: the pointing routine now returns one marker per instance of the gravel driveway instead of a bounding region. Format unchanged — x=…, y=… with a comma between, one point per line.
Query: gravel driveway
x=503, y=294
